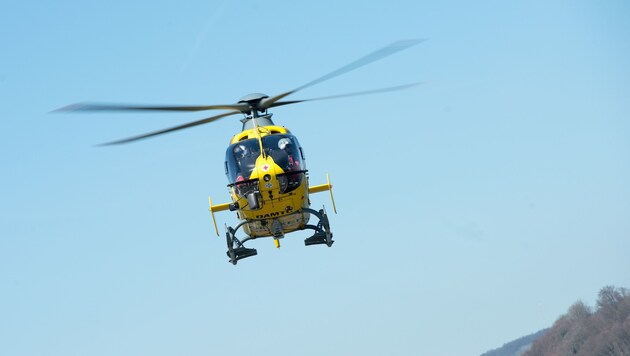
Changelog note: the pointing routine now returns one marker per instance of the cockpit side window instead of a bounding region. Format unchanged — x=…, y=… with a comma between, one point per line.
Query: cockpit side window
x=241, y=159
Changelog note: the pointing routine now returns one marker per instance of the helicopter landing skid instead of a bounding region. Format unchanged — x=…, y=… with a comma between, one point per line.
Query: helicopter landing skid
x=322, y=235
x=236, y=250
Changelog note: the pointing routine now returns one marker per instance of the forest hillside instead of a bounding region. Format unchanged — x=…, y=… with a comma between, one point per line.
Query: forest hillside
x=584, y=331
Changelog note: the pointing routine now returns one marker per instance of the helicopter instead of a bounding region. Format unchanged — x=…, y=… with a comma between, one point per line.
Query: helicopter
x=265, y=166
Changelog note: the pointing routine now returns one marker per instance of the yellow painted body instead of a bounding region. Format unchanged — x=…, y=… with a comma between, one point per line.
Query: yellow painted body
x=261, y=132
x=273, y=204
x=275, y=208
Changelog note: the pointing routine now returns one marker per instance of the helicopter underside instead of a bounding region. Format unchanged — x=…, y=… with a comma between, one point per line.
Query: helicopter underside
x=277, y=227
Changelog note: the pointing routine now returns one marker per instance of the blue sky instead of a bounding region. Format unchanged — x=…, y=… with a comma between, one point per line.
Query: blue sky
x=473, y=209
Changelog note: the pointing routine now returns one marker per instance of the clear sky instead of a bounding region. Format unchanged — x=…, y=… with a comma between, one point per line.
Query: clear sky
x=473, y=209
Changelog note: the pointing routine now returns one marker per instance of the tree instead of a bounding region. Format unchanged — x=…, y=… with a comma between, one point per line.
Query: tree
x=611, y=303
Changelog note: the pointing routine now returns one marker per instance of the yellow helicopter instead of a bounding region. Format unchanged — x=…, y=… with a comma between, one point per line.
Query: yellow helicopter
x=264, y=164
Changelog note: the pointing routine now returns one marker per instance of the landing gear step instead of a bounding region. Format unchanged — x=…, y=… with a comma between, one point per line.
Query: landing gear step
x=320, y=238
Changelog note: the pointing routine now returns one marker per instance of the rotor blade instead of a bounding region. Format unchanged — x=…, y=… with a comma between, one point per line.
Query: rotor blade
x=366, y=92
x=372, y=57
x=125, y=107
x=180, y=127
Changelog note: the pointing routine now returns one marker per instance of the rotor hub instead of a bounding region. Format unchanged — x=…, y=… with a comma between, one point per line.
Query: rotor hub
x=253, y=100
x=254, y=97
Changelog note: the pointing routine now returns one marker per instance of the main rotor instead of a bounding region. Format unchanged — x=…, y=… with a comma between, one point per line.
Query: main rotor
x=254, y=106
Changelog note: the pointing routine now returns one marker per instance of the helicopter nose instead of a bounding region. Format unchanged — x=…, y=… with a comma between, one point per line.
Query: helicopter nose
x=267, y=176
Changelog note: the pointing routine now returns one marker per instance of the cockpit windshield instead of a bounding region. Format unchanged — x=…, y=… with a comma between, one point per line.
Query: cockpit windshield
x=241, y=156
x=285, y=151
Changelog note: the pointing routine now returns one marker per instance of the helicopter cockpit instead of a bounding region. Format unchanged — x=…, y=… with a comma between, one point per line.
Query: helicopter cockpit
x=284, y=149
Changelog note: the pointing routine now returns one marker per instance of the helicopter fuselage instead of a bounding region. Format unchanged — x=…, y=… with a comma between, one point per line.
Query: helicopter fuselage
x=268, y=182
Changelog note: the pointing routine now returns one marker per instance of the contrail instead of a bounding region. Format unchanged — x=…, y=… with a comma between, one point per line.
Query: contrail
x=202, y=36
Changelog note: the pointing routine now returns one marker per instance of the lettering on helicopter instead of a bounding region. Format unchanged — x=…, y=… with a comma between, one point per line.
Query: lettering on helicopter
x=271, y=215
x=286, y=211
